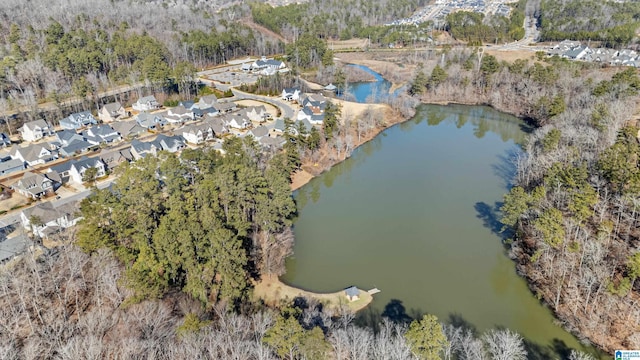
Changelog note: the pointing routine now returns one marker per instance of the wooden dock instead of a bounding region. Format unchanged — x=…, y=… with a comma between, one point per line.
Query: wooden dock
x=373, y=291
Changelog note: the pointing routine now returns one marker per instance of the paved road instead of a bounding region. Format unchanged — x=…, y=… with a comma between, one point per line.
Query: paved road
x=287, y=110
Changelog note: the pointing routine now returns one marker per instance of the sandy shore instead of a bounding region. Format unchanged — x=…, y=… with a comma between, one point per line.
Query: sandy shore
x=274, y=292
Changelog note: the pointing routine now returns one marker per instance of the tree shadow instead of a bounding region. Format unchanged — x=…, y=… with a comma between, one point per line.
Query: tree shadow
x=456, y=319
x=490, y=216
x=396, y=312
x=505, y=168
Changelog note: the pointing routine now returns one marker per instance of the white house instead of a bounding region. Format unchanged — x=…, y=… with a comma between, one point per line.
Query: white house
x=257, y=113
x=78, y=168
x=207, y=101
x=182, y=113
x=264, y=63
x=35, y=130
x=291, y=94
x=33, y=154
x=238, y=121
x=198, y=134
x=146, y=103
x=45, y=219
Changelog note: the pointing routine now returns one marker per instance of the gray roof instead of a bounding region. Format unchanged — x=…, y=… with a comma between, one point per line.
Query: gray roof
x=62, y=168
x=83, y=118
x=279, y=125
x=306, y=123
x=126, y=128
x=76, y=146
x=38, y=123
x=32, y=152
x=113, y=108
x=13, y=246
x=10, y=166
x=47, y=212
x=260, y=131
x=352, y=291
x=169, y=143
x=86, y=162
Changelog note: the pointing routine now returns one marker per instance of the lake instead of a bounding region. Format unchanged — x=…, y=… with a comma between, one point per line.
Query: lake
x=414, y=213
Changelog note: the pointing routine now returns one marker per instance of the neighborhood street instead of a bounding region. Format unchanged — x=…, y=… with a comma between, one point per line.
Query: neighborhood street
x=287, y=110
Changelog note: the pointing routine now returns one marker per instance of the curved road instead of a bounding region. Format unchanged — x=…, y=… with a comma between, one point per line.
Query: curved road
x=287, y=110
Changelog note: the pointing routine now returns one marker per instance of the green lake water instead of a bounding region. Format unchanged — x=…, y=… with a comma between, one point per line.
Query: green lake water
x=413, y=213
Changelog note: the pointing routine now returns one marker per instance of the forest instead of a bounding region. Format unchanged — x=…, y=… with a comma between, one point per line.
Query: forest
x=612, y=22
x=476, y=28
x=570, y=221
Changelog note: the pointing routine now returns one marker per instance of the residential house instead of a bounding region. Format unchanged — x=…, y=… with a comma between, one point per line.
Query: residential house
x=113, y=158
x=577, y=53
x=180, y=114
x=35, y=130
x=62, y=171
x=207, y=101
x=66, y=137
x=150, y=121
x=315, y=115
x=141, y=149
x=225, y=107
x=278, y=127
x=291, y=94
x=79, y=167
x=101, y=134
x=275, y=142
x=47, y=218
x=197, y=134
x=217, y=124
x=169, y=143
x=33, y=185
x=311, y=100
x=5, y=141
x=257, y=113
x=78, y=120
x=146, y=103
x=112, y=112
x=238, y=121
x=11, y=166
x=270, y=64
x=76, y=148
x=128, y=129
x=246, y=66
x=305, y=124
x=33, y=154
x=259, y=132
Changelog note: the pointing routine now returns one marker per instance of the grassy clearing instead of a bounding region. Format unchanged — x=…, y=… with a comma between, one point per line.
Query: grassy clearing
x=274, y=292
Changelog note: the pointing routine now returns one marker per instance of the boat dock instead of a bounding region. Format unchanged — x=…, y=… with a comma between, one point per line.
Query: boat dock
x=373, y=291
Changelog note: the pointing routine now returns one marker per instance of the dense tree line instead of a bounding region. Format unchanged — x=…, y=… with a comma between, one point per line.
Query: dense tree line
x=612, y=22
x=72, y=49
x=574, y=207
x=70, y=305
x=333, y=19
x=200, y=223
x=477, y=28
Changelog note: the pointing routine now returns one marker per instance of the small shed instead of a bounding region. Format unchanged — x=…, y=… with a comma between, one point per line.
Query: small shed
x=352, y=293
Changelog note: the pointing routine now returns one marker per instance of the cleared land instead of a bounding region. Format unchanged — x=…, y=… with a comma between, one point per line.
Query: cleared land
x=273, y=292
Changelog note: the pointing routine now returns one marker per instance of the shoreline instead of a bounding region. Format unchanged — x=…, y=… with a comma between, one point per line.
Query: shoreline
x=273, y=292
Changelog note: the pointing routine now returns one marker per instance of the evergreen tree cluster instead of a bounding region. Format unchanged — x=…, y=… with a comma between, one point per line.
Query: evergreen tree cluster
x=201, y=223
